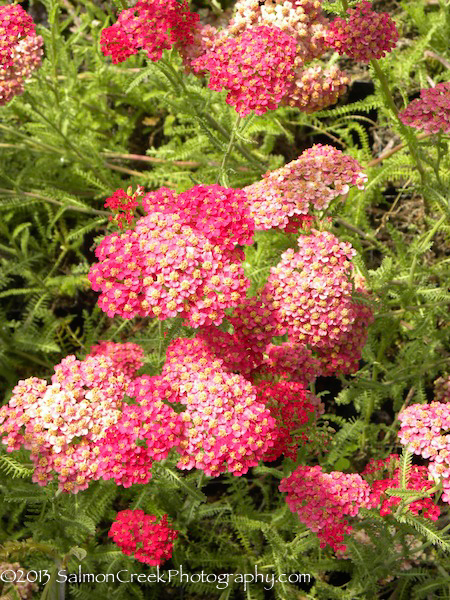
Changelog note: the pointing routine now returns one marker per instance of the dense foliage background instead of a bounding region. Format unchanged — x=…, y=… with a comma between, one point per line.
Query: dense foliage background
x=85, y=128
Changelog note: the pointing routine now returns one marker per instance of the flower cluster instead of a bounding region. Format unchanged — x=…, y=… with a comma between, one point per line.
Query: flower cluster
x=144, y=537
x=226, y=428
x=312, y=292
x=15, y=25
x=153, y=25
x=417, y=480
x=323, y=500
x=177, y=264
x=62, y=423
x=124, y=204
x=20, y=51
x=293, y=407
x=126, y=358
x=430, y=112
x=315, y=88
x=422, y=431
x=301, y=19
x=365, y=35
x=293, y=362
x=145, y=432
x=442, y=389
x=255, y=68
x=20, y=587
x=313, y=181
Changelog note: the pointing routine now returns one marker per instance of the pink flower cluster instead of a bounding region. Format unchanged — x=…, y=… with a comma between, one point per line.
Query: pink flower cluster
x=126, y=358
x=323, y=500
x=312, y=293
x=20, y=51
x=365, y=35
x=255, y=68
x=442, y=389
x=417, y=480
x=177, y=264
x=293, y=407
x=144, y=537
x=423, y=432
x=145, y=432
x=430, y=112
x=15, y=25
x=301, y=19
x=226, y=428
x=293, y=362
x=153, y=25
x=62, y=423
x=313, y=181
x=315, y=88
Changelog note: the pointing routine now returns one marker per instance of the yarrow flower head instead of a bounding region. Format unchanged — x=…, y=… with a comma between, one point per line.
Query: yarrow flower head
x=293, y=407
x=61, y=423
x=323, y=500
x=430, y=112
x=365, y=35
x=303, y=20
x=256, y=68
x=442, y=389
x=15, y=24
x=182, y=264
x=312, y=291
x=145, y=432
x=226, y=428
x=127, y=358
x=144, y=537
x=124, y=204
x=423, y=431
x=315, y=88
x=20, y=51
x=417, y=480
x=313, y=181
x=153, y=25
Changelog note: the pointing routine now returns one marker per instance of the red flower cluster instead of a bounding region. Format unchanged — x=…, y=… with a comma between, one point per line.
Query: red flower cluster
x=313, y=181
x=430, y=112
x=124, y=203
x=226, y=428
x=365, y=35
x=127, y=358
x=323, y=500
x=153, y=25
x=143, y=537
x=417, y=480
x=255, y=68
x=20, y=51
x=184, y=263
x=293, y=407
x=145, y=432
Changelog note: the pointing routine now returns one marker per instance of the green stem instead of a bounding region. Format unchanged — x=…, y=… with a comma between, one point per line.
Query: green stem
x=410, y=140
x=176, y=79
x=425, y=242
x=223, y=177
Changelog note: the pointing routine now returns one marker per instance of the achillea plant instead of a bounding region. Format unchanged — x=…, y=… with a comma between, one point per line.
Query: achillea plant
x=252, y=317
